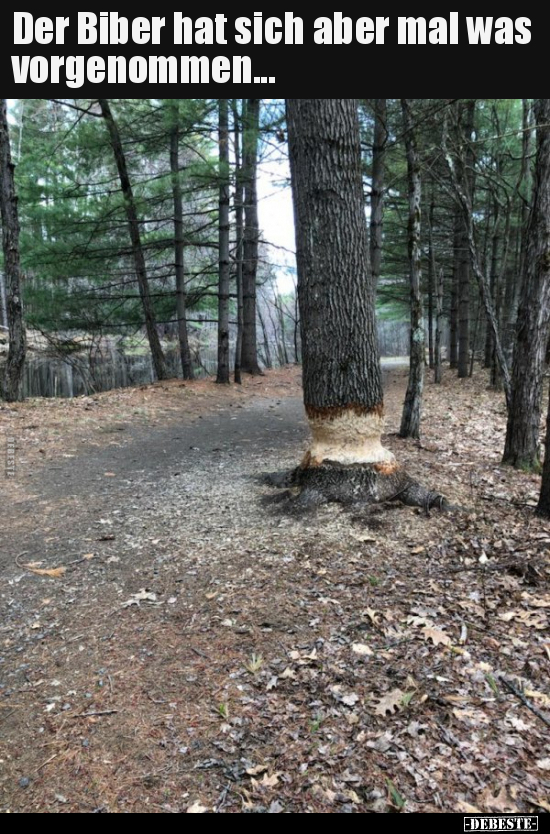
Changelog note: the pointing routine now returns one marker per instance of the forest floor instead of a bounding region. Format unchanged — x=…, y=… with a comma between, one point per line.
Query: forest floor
x=170, y=643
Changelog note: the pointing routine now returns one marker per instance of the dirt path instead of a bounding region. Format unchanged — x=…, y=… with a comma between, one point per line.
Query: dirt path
x=203, y=652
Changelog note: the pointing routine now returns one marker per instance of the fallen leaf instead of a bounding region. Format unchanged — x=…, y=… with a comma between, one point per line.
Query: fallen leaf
x=466, y=808
x=439, y=638
x=544, y=764
x=501, y=803
x=390, y=703
x=142, y=596
x=197, y=808
x=350, y=700
x=257, y=771
x=270, y=781
x=362, y=650
x=288, y=674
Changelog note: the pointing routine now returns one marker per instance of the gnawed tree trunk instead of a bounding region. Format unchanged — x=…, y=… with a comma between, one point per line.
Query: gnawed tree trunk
x=179, y=244
x=343, y=394
x=159, y=361
x=377, y=192
x=251, y=118
x=523, y=432
x=13, y=380
x=224, y=232
x=412, y=411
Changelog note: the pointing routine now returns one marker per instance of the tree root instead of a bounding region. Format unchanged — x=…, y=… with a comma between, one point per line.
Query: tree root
x=309, y=487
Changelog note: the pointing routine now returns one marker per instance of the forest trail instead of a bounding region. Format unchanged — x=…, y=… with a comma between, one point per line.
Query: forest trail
x=199, y=651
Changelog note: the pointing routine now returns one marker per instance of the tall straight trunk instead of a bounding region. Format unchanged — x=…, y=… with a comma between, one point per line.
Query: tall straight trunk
x=249, y=360
x=159, y=362
x=412, y=412
x=343, y=392
x=439, y=329
x=3, y=303
x=465, y=269
x=457, y=244
x=378, y=184
x=523, y=432
x=239, y=232
x=432, y=283
x=224, y=373
x=179, y=244
x=342, y=376
x=13, y=379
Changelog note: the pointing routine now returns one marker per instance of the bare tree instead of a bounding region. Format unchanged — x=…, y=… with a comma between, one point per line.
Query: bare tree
x=249, y=359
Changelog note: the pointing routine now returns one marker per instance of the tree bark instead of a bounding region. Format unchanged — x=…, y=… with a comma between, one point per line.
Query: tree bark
x=457, y=243
x=239, y=232
x=343, y=392
x=13, y=379
x=523, y=432
x=224, y=373
x=412, y=412
x=439, y=329
x=179, y=245
x=159, y=361
x=249, y=360
x=378, y=185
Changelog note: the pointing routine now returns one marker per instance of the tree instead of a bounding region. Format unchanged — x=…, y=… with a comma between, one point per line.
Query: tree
x=379, y=145
x=523, y=432
x=343, y=391
x=179, y=242
x=251, y=118
x=224, y=260
x=10, y=240
x=159, y=361
x=412, y=411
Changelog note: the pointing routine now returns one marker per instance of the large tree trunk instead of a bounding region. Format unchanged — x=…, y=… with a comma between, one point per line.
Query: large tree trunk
x=523, y=433
x=13, y=380
x=179, y=245
x=249, y=359
x=412, y=412
x=159, y=361
x=239, y=232
x=343, y=394
x=377, y=191
x=224, y=374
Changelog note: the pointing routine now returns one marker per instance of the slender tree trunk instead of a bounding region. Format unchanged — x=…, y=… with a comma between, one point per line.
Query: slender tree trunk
x=432, y=283
x=159, y=361
x=439, y=330
x=378, y=185
x=523, y=432
x=239, y=231
x=412, y=412
x=179, y=244
x=342, y=377
x=251, y=237
x=224, y=239
x=484, y=283
x=13, y=379
x=457, y=244
x=466, y=131
x=267, y=349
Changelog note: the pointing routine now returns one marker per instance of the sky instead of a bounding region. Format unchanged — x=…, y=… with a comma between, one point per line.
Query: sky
x=277, y=217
